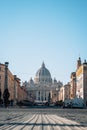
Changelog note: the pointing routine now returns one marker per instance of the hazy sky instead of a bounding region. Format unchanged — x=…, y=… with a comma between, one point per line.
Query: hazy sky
x=33, y=31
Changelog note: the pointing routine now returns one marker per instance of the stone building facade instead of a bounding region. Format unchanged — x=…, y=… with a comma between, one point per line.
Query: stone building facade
x=81, y=79
x=67, y=91
x=61, y=94
x=43, y=88
x=73, y=85
x=12, y=82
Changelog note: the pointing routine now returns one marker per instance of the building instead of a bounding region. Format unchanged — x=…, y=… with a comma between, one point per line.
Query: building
x=73, y=85
x=81, y=80
x=61, y=93
x=20, y=91
x=12, y=82
x=43, y=88
x=67, y=91
x=6, y=80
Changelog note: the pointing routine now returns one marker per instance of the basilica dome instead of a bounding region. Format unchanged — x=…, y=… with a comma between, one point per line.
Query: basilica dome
x=43, y=75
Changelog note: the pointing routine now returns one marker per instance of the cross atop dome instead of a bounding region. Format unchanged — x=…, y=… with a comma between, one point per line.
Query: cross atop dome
x=43, y=65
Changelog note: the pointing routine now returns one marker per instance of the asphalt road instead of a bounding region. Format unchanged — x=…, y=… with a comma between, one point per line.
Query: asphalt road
x=43, y=119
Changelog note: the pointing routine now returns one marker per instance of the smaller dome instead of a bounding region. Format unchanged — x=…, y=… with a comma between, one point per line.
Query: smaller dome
x=54, y=81
x=60, y=84
x=31, y=81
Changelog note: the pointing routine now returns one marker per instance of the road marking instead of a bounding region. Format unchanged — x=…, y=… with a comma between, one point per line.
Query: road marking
x=38, y=121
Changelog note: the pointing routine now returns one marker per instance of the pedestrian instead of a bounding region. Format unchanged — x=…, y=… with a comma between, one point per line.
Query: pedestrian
x=6, y=96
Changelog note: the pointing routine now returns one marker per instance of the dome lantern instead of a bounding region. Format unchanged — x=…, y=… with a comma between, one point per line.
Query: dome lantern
x=43, y=65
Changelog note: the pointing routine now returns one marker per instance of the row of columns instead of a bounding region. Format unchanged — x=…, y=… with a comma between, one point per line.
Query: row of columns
x=42, y=95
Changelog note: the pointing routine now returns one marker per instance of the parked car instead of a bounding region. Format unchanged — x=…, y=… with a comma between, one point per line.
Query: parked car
x=77, y=103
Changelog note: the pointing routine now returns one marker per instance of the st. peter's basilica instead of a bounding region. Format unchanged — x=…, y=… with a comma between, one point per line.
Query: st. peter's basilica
x=43, y=88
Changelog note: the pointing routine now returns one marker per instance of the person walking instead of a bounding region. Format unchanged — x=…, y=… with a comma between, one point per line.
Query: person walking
x=6, y=96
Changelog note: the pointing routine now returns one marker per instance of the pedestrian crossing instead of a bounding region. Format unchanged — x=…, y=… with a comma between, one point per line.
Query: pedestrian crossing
x=36, y=121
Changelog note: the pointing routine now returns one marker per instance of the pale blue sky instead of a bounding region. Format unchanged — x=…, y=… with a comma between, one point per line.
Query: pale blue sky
x=33, y=31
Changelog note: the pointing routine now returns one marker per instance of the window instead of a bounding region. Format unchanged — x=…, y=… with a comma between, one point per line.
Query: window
x=0, y=76
x=85, y=68
x=0, y=68
x=55, y=95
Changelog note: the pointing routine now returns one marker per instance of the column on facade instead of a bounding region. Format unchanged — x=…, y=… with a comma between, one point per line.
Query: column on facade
x=47, y=95
x=36, y=95
x=40, y=95
x=43, y=95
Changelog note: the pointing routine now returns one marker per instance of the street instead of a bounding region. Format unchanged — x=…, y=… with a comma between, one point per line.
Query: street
x=43, y=119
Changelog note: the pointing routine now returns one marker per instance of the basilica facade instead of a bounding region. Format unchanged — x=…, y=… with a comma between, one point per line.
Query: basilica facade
x=43, y=88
